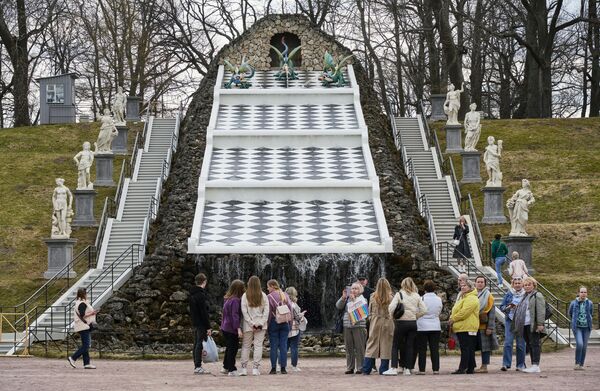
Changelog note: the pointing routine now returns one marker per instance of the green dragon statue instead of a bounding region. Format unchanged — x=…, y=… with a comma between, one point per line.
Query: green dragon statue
x=287, y=70
x=241, y=74
x=333, y=72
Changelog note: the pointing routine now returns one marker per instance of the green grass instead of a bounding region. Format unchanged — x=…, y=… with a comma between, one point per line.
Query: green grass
x=560, y=158
x=30, y=159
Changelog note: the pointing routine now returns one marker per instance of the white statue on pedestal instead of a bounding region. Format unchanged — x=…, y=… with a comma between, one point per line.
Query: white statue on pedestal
x=62, y=203
x=491, y=158
x=452, y=105
x=518, y=209
x=108, y=132
x=119, y=105
x=472, y=128
x=84, y=160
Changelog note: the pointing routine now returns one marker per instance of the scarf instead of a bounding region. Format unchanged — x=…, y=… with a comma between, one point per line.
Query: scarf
x=520, y=314
x=483, y=296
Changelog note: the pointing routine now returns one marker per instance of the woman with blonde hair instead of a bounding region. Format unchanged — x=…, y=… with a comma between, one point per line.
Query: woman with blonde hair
x=530, y=316
x=405, y=328
x=255, y=315
x=355, y=334
x=381, y=328
x=295, y=333
x=279, y=328
x=231, y=325
x=464, y=321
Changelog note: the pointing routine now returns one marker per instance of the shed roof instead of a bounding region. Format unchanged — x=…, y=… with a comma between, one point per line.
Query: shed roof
x=73, y=75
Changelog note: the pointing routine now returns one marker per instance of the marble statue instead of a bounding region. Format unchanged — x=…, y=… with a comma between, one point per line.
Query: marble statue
x=84, y=160
x=452, y=105
x=108, y=132
x=491, y=158
x=518, y=209
x=472, y=128
x=62, y=203
x=119, y=105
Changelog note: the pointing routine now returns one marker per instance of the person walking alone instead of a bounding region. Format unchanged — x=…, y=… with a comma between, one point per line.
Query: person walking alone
x=231, y=325
x=355, y=334
x=581, y=311
x=499, y=251
x=462, y=251
x=84, y=317
x=255, y=316
x=200, y=320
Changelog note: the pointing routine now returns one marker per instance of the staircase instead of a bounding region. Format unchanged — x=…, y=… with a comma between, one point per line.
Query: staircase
x=287, y=169
x=438, y=196
x=122, y=246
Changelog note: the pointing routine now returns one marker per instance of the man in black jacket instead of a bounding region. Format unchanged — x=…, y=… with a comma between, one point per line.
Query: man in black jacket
x=367, y=290
x=200, y=321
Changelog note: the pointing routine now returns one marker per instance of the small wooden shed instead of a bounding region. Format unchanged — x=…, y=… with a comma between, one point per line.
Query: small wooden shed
x=57, y=98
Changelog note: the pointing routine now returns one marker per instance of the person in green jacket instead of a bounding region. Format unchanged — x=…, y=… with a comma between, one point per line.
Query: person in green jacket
x=499, y=251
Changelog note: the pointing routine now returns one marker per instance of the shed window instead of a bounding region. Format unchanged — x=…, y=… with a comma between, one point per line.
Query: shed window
x=55, y=93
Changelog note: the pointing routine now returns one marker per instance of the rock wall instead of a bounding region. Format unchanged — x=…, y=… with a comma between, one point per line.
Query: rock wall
x=254, y=44
x=154, y=301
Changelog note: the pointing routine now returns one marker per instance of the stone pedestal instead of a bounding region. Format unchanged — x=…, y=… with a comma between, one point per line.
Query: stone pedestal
x=453, y=139
x=60, y=254
x=132, y=112
x=84, y=118
x=524, y=246
x=470, y=167
x=437, y=107
x=119, y=144
x=493, y=205
x=104, y=169
x=84, y=208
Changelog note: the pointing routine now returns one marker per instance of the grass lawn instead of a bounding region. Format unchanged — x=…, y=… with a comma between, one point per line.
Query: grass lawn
x=560, y=158
x=30, y=159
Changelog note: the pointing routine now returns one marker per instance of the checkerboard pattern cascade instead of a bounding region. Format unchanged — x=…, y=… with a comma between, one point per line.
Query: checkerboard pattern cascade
x=271, y=117
x=287, y=164
x=266, y=79
x=289, y=223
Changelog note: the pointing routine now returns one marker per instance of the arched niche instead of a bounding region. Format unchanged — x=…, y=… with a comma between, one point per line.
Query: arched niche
x=292, y=40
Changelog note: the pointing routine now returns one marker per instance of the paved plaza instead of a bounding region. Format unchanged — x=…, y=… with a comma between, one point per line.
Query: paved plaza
x=317, y=374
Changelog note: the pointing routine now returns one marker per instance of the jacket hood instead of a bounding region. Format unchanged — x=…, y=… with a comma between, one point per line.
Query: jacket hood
x=195, y=289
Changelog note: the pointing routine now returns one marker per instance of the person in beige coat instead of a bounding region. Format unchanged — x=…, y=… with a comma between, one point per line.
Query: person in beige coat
x=255, y=317
x=381, y=328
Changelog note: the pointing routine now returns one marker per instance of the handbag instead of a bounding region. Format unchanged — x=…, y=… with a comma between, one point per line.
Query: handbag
x=282, y=312
x=455, y=242
x=399, y=310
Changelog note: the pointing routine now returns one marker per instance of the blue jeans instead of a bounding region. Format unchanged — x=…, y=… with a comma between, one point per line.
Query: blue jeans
x=369, y=363
x=278, y=339
x=499, y=262
x=485, y=358
x=84, y=349
x=293, y=347
x=581, y=340
x=509, y=337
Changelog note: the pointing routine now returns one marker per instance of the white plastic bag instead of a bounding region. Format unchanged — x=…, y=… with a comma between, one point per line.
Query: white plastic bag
x=209, y=351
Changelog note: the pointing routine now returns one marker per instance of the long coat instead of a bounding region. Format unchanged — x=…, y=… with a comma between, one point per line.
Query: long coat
x=463, y=246
x=381, y=332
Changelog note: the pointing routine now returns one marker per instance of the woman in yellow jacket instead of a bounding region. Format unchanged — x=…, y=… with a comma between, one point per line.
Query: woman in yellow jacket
x=464, y=321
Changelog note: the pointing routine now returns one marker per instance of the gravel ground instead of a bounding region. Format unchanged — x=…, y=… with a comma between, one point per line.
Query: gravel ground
x=321, y=373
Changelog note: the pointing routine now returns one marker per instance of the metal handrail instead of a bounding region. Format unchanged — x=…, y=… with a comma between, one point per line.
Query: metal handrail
x=108, y=211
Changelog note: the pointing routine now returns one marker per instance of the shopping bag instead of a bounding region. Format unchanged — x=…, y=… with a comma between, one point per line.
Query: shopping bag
x=209, y=351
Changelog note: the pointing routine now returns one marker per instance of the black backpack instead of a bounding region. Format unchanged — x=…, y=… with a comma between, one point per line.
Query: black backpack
x=549, y=311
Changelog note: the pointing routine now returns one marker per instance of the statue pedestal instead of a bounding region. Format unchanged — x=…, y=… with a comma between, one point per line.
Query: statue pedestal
x=104, y=169
x=60, y=254
x=84, y=208
x=453, y=139
x=133, y=108
x=119, y=144
x=524, y=246
x=437, y=107
x=470, y=167
x=493, y=205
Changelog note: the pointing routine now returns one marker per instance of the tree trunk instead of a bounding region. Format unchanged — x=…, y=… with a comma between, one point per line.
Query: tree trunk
x=594, y=47
x=477, y=56
x=401, y=99
x=437, y=86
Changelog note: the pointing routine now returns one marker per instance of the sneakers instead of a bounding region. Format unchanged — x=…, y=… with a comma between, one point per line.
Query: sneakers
x=391, y=372
x=224, y=371
x=201, y=371
x=482, y=369
x=532, y=369
x=71, y=362
x=243, y=372
x=89, y=366
x=407, y=372
x=436, y=372
x=296, y=369
x=255, y=372
x=520, y=369
x=233, y=373
x=504, y=369
x=578, y=367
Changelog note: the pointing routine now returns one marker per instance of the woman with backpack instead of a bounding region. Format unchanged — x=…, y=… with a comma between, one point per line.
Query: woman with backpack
x=298, y=325
x=231, y=325
x=529, y=319
x=84, y=316
x=255, y=316
x=280, y=323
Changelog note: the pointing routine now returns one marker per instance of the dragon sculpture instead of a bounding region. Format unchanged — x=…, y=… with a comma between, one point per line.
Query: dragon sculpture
x=241, y=74
x=333, y=72
x=287, y=70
